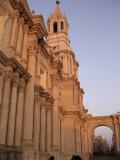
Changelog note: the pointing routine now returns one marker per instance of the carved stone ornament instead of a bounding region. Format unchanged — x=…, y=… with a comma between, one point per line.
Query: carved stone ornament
x=8, y=76
x=15, y=79
x=21, y=84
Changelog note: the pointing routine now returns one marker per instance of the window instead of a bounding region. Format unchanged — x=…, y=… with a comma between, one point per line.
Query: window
x=62, y=25
x=55, y=27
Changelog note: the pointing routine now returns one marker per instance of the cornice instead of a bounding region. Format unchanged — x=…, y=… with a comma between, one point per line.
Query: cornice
x=19, y=68
x=15, y=65
x=25, y=12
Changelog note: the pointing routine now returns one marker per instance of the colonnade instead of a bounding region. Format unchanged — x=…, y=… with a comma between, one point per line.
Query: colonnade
x=11, y=113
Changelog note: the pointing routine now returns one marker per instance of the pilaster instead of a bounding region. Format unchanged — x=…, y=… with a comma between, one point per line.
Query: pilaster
x=19, y=38
x=14, y=29
x=24, y=49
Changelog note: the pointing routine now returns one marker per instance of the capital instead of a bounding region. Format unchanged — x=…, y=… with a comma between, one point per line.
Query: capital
x=7, y=76
x=15, y=79
x=21, y=20
x=37, y=99
x=21, y=84
x=16, y=13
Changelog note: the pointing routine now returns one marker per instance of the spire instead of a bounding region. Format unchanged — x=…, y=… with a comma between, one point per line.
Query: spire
x=57, y=10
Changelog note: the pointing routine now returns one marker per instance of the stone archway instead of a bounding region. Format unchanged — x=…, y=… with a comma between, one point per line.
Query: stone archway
x=113, y=122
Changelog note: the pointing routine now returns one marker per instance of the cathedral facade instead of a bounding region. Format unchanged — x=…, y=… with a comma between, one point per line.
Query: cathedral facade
x=42, y=115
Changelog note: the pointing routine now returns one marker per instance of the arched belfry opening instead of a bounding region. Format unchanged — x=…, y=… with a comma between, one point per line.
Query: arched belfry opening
x=62, y=25
x=55, y=27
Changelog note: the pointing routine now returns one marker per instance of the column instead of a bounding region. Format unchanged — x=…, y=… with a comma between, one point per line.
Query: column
x=36, y=132
x=117, y=136
x=29, y=100
x=19, y=112
x=86, y=139
x=12, y=111
x=48, y=139
x=43, y=128
x=5, y=107
x=82, y=140
x=27, y=138
x=55, y=121
x=119, y=130
x=14, y=29
x=78, y=147
x=20, y=37
x=116, y=126
x=1, y=87
x=24, y=49
x=62, y=134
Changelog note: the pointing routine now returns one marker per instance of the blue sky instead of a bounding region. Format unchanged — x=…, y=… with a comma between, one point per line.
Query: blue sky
x=95, y=38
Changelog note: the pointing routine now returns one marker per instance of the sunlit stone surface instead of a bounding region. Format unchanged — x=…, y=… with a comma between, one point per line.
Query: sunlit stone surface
x=41, y=101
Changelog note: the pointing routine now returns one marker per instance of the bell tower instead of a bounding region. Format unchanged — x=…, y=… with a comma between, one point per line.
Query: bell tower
x=58, y=38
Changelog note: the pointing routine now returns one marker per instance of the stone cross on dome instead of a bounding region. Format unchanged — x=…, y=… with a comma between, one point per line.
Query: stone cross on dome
x=57, y=9
x=57, y=2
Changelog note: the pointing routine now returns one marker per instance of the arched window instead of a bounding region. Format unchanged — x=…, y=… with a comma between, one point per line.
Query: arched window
x=55, y=27
x=62, y=25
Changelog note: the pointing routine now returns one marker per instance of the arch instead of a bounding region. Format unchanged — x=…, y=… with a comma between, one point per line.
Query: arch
x=62, y=25
x=55, y=27
x=103, y=124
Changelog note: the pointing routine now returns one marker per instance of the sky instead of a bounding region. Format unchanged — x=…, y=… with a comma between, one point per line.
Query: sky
x=94, y=31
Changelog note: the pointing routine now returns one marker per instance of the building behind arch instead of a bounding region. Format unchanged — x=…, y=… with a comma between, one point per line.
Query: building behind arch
x=42, y=115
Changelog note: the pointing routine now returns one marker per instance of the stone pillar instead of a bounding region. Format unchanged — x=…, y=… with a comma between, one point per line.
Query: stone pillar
x=78, y=147
x=1, y=87
x=48, y=138
x=14, y=29
x=27, y=140
x=12, y=111
x=36, y=133
x=62, y=135
x=55, y=121
x=24, y=49
x=119, y=129
x=82, y=140
x=116, y=132
x=29, y=99
x=86, y=139
x=19, y=38
x=5, y=107
x=43, y=126
x=117, y=136
x=19, y=113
